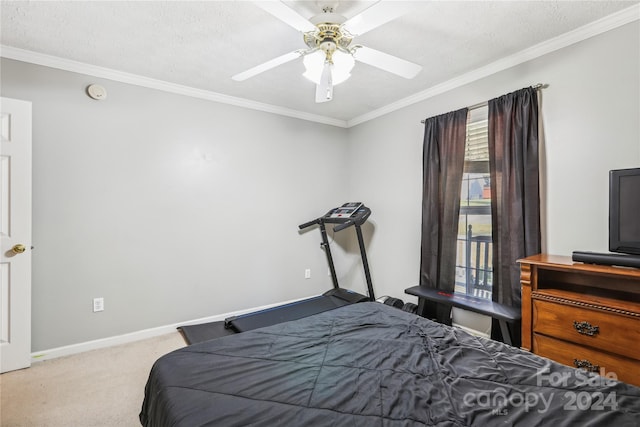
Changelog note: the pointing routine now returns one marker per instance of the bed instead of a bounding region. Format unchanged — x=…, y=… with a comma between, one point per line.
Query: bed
x=369, y=364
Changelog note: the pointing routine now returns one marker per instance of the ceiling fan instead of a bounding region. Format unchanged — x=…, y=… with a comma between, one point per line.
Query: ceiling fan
x=330, y=54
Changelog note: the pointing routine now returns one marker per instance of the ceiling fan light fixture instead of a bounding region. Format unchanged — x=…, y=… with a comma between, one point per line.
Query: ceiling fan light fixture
x=328, y=37
x=342, y=65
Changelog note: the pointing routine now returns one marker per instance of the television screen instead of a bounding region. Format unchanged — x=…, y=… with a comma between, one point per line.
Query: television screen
x=624, y=211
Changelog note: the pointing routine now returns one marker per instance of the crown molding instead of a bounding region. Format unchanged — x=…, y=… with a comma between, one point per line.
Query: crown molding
x=134, y=79
x=595, y=28
x=600, y=26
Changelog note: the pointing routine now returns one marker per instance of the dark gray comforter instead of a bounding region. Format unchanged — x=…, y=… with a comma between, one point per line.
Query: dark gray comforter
x=372, y=365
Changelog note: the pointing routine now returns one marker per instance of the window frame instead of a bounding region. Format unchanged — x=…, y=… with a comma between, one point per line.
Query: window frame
x=476, y=162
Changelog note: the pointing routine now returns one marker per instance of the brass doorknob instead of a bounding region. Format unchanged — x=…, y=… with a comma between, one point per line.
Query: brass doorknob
x=18, y=249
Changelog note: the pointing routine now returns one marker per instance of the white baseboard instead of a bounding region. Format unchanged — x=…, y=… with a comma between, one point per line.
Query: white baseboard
x=68, y=350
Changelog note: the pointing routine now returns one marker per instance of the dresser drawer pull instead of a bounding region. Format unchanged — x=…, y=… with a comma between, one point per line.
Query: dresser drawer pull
x=586, y=328
x=586, y=365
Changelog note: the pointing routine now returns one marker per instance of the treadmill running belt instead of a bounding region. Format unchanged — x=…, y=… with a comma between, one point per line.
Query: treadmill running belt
x=285, y=313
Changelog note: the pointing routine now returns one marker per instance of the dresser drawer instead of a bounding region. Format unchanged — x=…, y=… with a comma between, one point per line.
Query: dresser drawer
x=625, y=369
x=606, y=330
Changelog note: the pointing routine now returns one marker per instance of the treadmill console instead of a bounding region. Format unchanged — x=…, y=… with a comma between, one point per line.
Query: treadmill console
x=351, y=213
x=345, y=211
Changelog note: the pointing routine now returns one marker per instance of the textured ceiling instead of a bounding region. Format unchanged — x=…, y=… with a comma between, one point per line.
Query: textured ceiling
x=202, y=44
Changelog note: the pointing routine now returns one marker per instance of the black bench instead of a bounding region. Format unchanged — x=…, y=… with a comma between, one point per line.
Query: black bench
x=500, y=312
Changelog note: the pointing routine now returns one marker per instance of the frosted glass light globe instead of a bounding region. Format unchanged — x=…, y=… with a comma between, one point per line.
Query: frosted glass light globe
x=342, y=65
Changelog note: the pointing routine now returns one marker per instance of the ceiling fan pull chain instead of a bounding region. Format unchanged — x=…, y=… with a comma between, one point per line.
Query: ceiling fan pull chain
x=324, y=90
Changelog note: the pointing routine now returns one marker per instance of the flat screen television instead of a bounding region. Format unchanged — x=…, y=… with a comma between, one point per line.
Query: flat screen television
x=624, y=211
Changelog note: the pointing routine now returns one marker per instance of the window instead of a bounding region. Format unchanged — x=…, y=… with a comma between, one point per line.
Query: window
x=474, y=258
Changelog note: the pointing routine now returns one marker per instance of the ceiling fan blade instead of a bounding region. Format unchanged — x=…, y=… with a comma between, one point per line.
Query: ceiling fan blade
x=286, y=15
x=324, y=90
x=375, y=16
x=387, y=62
x=287, y=57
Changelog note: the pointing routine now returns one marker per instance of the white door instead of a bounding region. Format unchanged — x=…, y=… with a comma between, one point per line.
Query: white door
x=15, y=230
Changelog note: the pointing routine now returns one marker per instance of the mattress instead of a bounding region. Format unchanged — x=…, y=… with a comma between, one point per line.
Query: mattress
x=369, y=365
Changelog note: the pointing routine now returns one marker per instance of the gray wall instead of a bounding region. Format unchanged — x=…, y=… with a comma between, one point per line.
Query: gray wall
x=171, y=208
x=591, y=119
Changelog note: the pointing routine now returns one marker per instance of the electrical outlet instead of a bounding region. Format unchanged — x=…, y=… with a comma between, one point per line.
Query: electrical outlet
x=307, y=273
x=98, y=304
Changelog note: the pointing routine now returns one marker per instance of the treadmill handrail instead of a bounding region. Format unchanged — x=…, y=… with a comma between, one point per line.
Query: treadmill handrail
x=309, y=224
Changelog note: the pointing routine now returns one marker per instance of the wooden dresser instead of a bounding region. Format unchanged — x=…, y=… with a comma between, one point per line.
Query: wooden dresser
x=582, y=315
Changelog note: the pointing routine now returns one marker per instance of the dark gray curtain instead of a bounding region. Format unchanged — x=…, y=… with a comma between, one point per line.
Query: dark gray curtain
x=515, y=194
x=443, y=165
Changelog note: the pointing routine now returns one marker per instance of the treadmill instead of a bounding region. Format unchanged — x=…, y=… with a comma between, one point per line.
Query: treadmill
x=352, y=214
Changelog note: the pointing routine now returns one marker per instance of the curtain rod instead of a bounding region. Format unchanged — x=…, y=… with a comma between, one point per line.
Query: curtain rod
x=484, y=104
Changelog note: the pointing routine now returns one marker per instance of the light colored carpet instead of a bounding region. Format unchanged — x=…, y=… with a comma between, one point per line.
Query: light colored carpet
x=97, y=388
